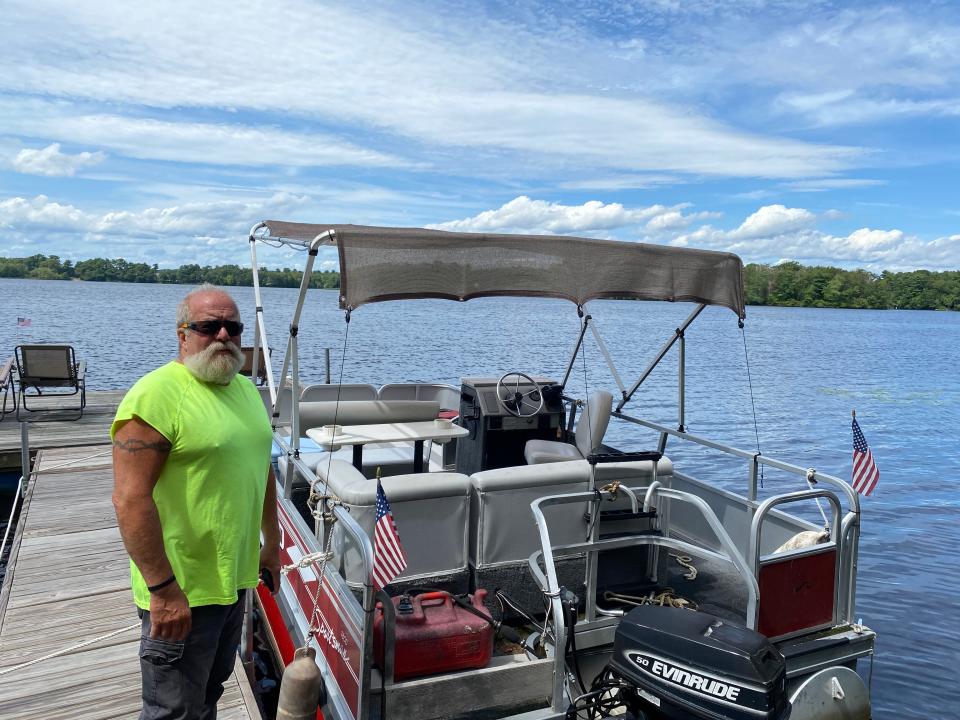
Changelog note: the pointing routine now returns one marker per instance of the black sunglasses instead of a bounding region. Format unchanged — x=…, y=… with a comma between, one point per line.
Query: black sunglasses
x=212, y=327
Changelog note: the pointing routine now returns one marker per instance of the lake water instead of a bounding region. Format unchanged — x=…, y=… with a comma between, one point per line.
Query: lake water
x=809, y=369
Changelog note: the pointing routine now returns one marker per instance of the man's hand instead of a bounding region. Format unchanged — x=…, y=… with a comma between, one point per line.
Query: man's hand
x=270, y=561
x=170, y=617
x=270, y=528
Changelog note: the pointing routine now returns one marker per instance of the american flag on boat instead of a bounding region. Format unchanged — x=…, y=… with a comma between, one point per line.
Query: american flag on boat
x=389, y=559
x=24, y=322
x=865, y=473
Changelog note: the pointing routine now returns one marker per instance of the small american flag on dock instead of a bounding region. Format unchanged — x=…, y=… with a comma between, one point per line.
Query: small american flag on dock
x=24, y=322
x=389, y=559
x=865, y=472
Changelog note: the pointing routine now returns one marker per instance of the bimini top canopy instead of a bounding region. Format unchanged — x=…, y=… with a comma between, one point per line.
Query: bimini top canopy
x=378, y=264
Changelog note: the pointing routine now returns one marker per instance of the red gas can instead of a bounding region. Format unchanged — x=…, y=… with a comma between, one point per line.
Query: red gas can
x=437, y=636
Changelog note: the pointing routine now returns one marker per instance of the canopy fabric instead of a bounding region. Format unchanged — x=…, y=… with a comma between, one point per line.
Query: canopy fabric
x=378, y=264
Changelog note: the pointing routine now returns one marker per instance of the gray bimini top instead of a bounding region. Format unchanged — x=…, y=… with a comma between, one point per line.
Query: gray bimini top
x=378, y=264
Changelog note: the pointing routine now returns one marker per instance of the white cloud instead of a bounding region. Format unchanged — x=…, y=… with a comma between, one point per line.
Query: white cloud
x=524, y=215
x=197, y=223
x=827, y=184
x=188, y=142
x=40, y=212
x=867, y=109
x=621, y=182
x=423, y=75
x=773, y=220
x=768, y=235
x=51, y=162
x=866, y=240
x=788, y=234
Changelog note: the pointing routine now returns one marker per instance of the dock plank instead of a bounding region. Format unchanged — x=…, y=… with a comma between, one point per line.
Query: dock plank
x=50, y=430
x=69, y=583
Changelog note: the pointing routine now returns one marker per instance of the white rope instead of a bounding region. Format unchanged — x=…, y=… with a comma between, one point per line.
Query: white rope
x=305, y=561
x=685, y=561
x=13, y=509
x=64, y=651
x=811, y=481
x=72, y=462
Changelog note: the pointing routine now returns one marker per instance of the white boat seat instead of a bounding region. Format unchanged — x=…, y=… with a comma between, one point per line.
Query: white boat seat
x=366, y=412
x=503, y=533
x=501, y=525
x=502, y=530
x=446, y=395
x=431, y=511
x=591, y=427
x=333, y=392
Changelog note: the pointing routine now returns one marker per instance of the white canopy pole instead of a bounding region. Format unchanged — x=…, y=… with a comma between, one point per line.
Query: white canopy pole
x=609, y=359
x=260, y=330
x=660, y=355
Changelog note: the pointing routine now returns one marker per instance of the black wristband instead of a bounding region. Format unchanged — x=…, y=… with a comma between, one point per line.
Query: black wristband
x=162, y=585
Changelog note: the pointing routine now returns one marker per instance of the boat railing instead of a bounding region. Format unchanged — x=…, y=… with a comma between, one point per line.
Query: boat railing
x=821, y=602
x=549, y=584
x=754, y=460
x=849, y=526
x=316, y=601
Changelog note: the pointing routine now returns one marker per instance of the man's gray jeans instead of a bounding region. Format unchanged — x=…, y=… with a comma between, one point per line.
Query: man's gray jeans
x=184, y=680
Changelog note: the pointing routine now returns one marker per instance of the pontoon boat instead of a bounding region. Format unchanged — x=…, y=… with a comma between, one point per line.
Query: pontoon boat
x=547, y=574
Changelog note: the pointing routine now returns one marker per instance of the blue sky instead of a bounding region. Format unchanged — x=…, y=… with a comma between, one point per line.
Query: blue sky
x=814, y=131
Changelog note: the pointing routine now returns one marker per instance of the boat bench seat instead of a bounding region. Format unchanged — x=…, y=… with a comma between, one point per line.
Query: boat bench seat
x=365, y=412
x=503, y=533
x=431, y=511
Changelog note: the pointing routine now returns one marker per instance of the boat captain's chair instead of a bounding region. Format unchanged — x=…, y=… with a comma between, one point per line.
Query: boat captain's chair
x=588, y=436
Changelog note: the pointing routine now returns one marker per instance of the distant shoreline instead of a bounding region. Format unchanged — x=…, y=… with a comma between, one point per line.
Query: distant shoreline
x=788, y=284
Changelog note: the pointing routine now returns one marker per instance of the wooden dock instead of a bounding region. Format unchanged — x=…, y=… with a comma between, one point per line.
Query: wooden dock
x=50, y=430
x=68, y=582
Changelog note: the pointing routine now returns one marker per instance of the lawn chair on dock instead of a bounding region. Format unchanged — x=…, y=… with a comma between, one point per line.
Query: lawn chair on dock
x=42, y=368
x=6, y=388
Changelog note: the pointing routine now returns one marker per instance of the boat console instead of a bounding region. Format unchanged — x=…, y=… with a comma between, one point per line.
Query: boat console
x=497, y=436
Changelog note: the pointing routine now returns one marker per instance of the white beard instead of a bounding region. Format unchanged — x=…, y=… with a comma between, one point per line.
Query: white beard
x=213, y=366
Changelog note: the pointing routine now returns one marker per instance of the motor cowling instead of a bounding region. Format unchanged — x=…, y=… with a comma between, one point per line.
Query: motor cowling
x=691, y=665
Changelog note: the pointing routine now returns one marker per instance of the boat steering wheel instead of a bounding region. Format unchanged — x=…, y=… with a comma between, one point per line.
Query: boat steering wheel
x=517, y=403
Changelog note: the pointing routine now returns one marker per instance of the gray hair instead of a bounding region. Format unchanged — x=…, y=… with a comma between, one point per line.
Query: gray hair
x=183, y=309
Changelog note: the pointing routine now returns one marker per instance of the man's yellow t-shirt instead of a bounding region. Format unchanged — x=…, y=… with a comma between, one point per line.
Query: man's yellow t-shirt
x=210, y=491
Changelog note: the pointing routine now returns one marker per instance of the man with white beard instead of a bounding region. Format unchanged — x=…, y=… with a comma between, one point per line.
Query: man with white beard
x=193, y=491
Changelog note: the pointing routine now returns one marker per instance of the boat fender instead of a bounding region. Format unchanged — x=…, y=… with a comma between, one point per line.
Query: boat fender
x=301, y=687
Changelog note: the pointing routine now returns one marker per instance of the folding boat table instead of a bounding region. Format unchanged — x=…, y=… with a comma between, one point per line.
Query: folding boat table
x=330, y=438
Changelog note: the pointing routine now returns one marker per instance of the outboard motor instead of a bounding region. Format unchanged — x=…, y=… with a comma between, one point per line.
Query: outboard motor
x=678, y=664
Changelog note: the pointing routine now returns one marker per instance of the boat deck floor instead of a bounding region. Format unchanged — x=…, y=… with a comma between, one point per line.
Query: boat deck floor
x=708, y=585
x=68, y=583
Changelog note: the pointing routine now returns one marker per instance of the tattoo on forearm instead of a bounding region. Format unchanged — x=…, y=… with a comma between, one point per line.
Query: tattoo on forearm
x=134, y=446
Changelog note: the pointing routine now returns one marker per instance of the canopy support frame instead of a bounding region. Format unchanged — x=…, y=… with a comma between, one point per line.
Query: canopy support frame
x=677, y=335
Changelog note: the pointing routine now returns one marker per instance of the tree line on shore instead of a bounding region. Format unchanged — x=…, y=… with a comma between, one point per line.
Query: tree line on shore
x=44, y=267
x=789, y=283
